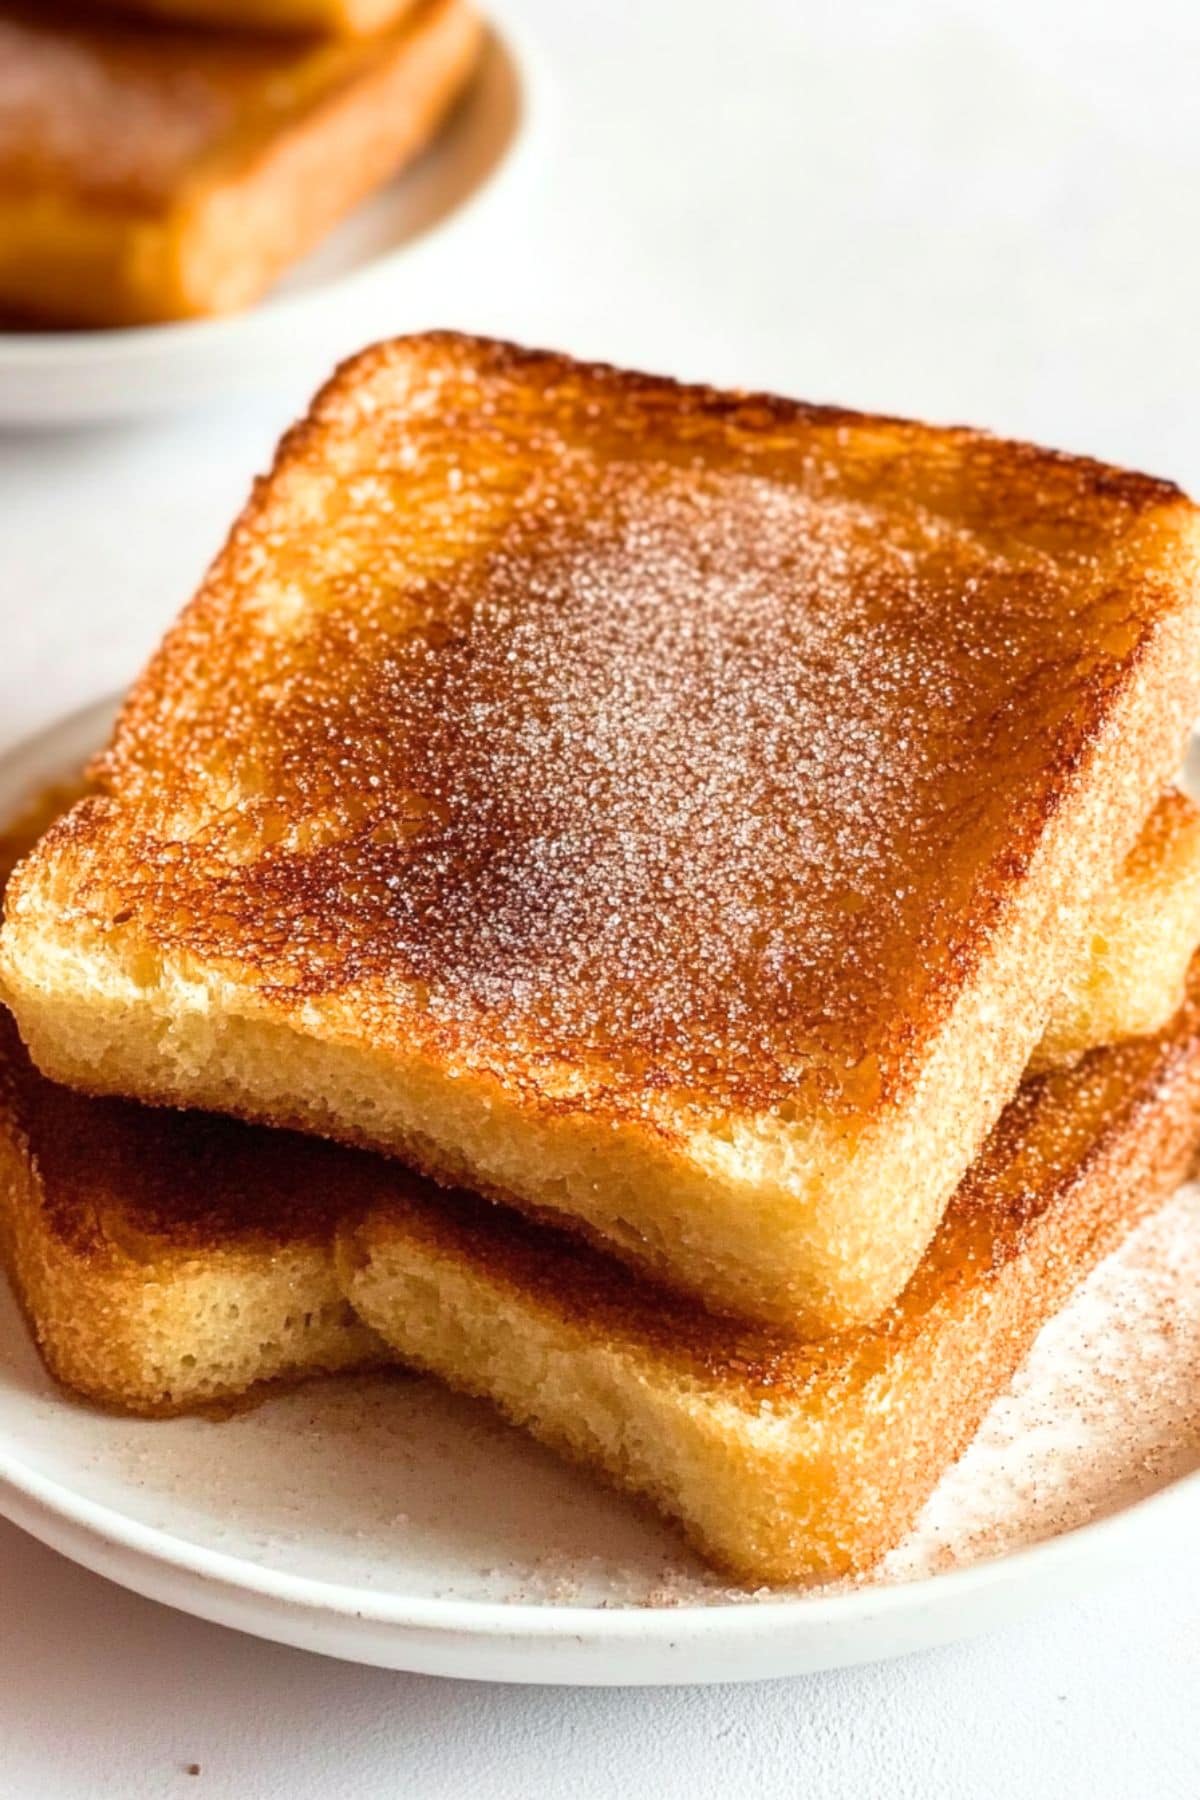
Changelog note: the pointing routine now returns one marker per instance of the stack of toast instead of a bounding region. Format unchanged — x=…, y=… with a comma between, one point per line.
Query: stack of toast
x=168, y=159
x=664, y=908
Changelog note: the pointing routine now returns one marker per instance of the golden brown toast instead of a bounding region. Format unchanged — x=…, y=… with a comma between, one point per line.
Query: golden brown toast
x=786, y=1461
x=167, y=1261
x=152, y=173
x=345, y=17
x=668, y=810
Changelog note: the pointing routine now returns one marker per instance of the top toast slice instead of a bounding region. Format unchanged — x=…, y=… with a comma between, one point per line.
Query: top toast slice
x=669, y=809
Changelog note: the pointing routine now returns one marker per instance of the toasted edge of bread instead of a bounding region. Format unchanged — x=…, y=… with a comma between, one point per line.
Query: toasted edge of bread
x=785, y=1461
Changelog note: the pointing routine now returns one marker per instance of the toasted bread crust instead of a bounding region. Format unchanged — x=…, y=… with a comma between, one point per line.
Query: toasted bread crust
x=672, y=808
x=153, y=174
x=866, y=998
x=785, y=1460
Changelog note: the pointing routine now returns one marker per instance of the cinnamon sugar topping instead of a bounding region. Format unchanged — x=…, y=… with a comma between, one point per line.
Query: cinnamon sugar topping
x=673, y=739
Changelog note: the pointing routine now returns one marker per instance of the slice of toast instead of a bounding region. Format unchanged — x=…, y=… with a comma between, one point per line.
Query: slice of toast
x=151, y=173
x=786, y=1461
x=338, y=17
x=669, y=810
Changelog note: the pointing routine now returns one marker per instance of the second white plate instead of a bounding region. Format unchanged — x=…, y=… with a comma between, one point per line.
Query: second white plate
x=387, y=268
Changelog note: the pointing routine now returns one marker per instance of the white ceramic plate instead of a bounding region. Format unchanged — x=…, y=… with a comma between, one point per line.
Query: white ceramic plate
x=382, y=1520
x=387, y=268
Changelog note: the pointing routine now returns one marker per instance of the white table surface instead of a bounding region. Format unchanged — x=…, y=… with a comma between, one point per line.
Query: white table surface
x=914, y=206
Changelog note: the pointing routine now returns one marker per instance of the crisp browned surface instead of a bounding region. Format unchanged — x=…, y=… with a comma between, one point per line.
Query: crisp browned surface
x=695, y=741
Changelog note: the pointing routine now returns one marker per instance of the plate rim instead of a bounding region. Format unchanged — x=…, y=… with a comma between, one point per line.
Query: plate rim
x=549, y=1622
x=545, y=1625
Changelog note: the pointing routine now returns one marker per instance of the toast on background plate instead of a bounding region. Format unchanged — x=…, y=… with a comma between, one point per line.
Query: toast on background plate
x=150, y=173
x=337, y=17
x=669, y=811
x=783, y=1460
x=167, y=1261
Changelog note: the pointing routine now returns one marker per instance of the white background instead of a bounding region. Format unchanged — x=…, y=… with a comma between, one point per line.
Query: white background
x=962, y=211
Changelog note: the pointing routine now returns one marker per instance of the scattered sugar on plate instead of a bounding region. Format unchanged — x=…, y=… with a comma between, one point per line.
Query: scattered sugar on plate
x=396, y=1486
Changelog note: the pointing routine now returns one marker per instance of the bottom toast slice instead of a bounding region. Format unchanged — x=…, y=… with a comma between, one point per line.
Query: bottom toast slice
x=167, y=1261
x=783, y=1460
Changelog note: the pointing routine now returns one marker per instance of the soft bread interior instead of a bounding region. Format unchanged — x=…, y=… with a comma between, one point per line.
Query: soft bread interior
x=1139, y=942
